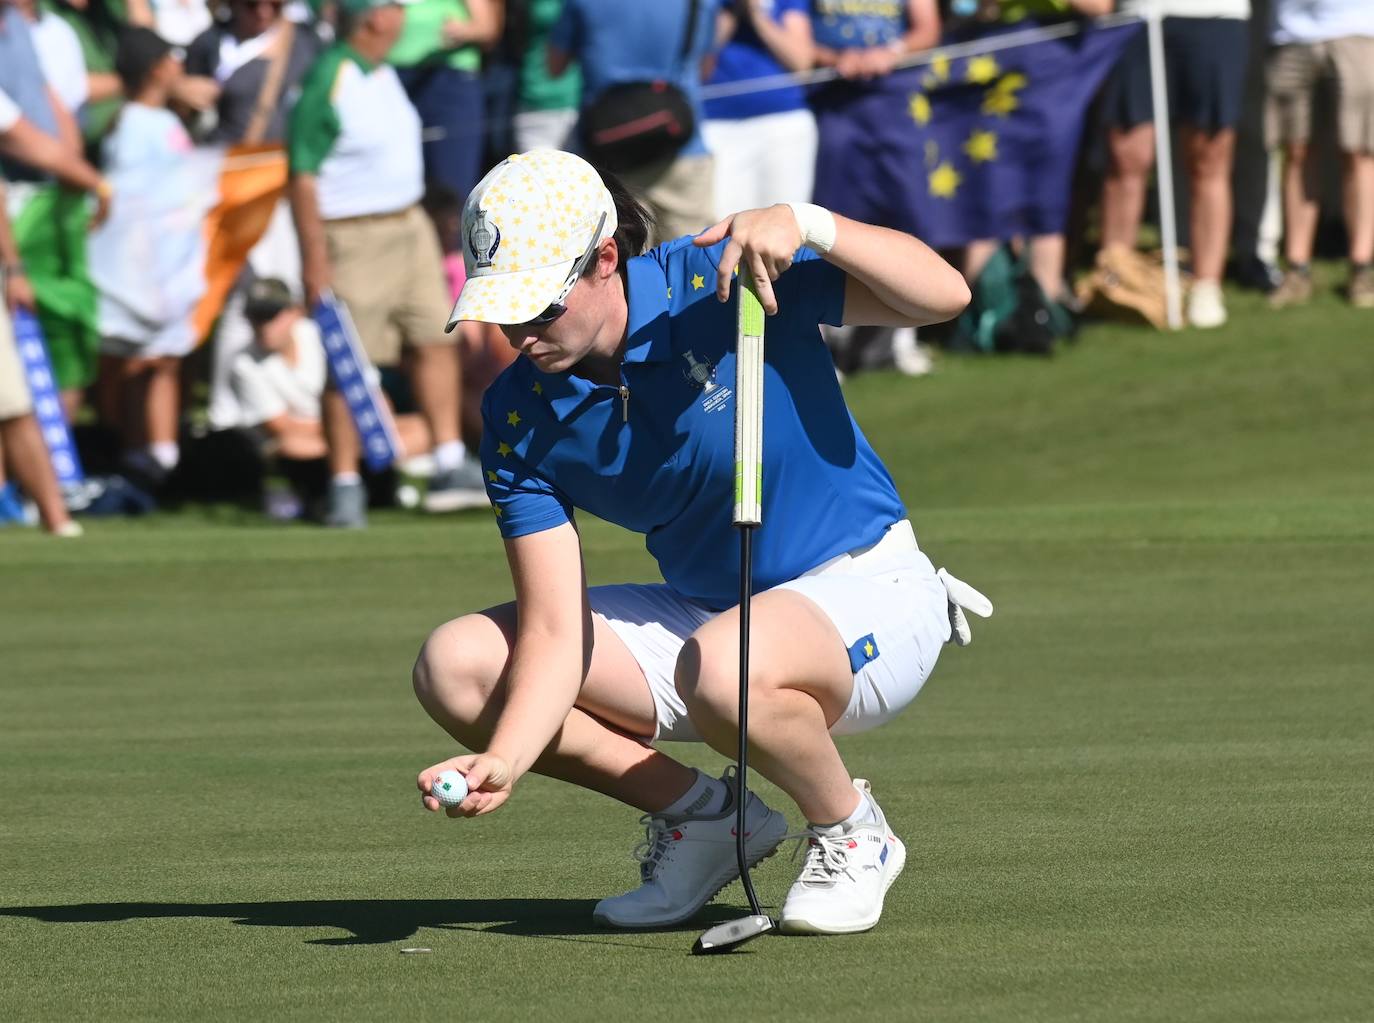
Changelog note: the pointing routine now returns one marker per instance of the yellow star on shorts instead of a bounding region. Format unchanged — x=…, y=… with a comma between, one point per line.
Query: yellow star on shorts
x=698, y=282
x=503, y=449
x=513, y=418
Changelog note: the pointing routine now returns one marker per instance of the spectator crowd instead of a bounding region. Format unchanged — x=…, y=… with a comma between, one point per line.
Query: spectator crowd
x=184, y=180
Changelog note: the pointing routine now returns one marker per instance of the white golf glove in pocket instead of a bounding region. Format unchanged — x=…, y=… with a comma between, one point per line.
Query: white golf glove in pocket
x=963, y=597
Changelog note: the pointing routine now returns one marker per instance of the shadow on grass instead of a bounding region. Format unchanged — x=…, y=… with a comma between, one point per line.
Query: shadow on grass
x=379, y=921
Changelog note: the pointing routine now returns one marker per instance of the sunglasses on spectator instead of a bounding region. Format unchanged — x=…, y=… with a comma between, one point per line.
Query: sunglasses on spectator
x=557, y=307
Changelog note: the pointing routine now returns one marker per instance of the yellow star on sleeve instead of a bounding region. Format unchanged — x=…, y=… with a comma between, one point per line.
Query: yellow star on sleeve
x=491, y=475
x=944, y=181
x=503, y=449
x=919, y=107
x=868, y=648
x=698, y=282
x=982, y=69
x=513, y=418
x=981, y=146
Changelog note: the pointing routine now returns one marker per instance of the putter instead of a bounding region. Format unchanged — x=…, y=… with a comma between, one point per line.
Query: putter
x=729, y=936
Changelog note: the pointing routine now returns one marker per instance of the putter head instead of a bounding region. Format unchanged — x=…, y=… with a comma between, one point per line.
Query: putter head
x=729, y=936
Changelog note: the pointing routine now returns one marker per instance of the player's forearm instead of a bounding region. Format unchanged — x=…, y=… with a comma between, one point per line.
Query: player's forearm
x=542, y=686
x=901, y=272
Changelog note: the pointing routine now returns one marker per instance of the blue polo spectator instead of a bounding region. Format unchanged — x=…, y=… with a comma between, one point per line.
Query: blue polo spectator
x=763, y=139
x=618, y=41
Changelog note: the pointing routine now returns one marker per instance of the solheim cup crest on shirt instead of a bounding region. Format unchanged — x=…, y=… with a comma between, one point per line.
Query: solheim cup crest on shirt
x=483, y=240
x=703, y=374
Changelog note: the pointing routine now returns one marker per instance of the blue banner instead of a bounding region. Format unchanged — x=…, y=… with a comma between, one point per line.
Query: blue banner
x=965, y=148
x=350, y=368
x=47, y=406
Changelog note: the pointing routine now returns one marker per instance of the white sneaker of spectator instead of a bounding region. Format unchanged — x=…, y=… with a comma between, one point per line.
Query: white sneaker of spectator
x=1206, y=307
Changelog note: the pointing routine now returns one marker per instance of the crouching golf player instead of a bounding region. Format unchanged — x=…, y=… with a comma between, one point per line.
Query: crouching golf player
x=621, y=404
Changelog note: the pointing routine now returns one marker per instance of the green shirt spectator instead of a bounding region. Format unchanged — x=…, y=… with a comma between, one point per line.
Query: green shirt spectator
x=422, y=40
x=539, y=91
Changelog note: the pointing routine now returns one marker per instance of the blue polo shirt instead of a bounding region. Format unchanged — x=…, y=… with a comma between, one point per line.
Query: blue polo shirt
x=745, y=57
x=661, y=461
x=619, y=41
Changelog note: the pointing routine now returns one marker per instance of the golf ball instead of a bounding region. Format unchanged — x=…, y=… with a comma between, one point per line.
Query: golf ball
x=450, y=788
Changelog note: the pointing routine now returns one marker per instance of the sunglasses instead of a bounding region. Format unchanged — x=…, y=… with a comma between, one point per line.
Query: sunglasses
x=557, y=308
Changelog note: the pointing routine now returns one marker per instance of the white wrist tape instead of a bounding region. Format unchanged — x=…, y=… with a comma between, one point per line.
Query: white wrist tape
x=817, y=225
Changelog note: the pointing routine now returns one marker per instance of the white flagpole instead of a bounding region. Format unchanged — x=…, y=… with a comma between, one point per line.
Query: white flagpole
x=1164, y=167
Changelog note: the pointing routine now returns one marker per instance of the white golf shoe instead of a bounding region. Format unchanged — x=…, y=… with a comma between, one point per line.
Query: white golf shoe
x=685, y=861
x=847, y=873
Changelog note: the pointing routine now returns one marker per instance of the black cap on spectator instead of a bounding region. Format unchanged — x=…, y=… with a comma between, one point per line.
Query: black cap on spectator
x=140, y=50
x=267, y=296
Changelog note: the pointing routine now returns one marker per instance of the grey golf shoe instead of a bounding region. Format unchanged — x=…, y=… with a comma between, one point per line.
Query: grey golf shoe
x=685, y=861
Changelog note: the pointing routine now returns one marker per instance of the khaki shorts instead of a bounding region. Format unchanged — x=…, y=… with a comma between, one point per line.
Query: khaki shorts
x=14, y=388
x=679, y=193
x=389, y=271
x=1295, y=73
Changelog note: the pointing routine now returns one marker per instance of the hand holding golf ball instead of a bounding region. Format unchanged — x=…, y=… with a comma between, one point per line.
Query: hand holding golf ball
x=449, y=789
x=467, y=786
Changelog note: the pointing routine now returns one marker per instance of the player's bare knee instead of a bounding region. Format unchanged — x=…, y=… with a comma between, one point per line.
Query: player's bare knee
x=452, y=674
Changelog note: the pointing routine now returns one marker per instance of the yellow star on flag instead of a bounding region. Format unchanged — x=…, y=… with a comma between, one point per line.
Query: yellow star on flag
x=538, y=387
x=698, y=282
x=491, y=475
x=939, y=67
x=503, y=449
x=1001, y=99
x=981, y=70
x=919, y=107
x=932, y=152
x=944, y=181
x=513, y=418
x=981, y=146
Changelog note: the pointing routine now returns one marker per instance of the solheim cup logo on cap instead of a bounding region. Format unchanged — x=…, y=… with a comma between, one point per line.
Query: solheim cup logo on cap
x=483, y=240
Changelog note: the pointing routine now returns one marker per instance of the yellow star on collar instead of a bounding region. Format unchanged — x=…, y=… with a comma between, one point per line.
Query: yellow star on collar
x=698, y=282
x=513, y=418
x=503, y=449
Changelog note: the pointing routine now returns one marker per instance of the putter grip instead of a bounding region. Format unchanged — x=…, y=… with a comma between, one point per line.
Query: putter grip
x=748, y=404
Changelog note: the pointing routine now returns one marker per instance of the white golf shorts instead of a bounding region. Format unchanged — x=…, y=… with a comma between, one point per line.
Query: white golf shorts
x=886, y=602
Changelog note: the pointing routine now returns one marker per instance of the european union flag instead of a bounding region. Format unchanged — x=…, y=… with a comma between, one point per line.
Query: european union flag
x=965, y=148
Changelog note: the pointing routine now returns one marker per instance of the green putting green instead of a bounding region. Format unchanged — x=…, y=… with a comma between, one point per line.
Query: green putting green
x=1142, y=794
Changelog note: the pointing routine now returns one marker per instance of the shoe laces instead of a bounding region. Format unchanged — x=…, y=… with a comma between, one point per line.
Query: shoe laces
x=659, y=837
x=827, y=856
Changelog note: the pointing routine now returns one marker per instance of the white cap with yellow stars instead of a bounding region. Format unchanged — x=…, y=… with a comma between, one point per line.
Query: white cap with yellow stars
x=525, y=225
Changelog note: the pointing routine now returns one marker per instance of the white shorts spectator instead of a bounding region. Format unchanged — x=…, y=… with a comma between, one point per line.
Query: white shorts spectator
x=762, y=160
x=886, y=602
x=545, y=129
